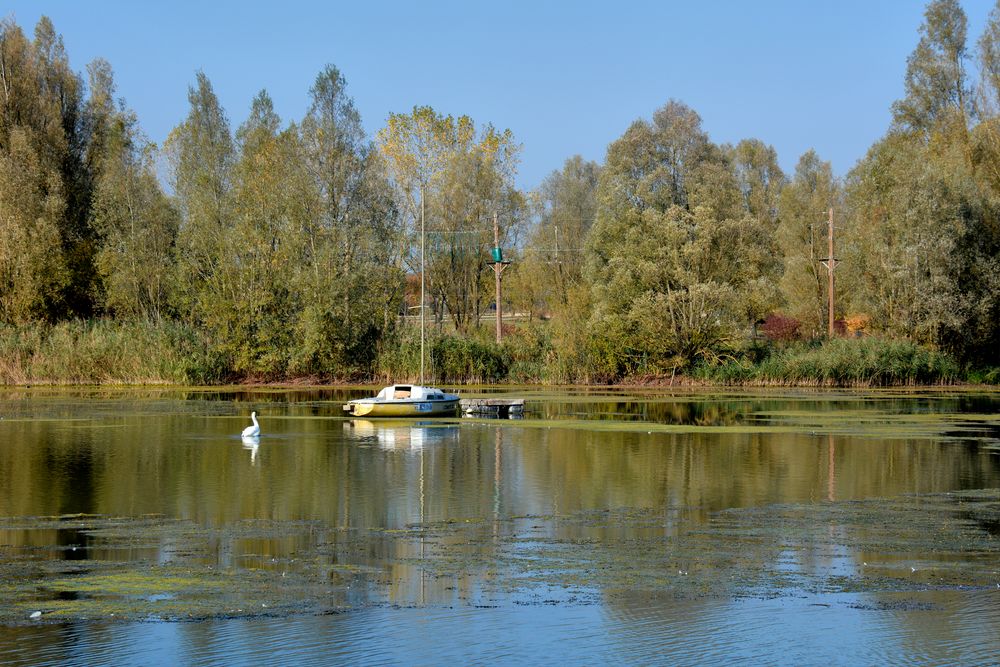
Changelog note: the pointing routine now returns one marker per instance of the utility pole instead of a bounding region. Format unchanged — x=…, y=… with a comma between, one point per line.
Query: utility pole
x=830, y=263
x=498, y=266
x=559, y=262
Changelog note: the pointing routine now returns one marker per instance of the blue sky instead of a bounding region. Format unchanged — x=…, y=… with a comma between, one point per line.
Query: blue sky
x=565, y=77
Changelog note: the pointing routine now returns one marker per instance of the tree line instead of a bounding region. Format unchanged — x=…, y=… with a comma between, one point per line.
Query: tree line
x=294, y=249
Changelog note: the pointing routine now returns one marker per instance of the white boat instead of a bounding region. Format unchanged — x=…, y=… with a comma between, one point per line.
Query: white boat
x=405, y=400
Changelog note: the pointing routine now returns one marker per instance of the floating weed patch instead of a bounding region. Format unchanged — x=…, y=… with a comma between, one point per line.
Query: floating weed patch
x=905, y=544
x=898, y=545
x=177, y=576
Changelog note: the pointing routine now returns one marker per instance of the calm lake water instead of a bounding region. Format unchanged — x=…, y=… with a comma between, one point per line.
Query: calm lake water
x=605, y=527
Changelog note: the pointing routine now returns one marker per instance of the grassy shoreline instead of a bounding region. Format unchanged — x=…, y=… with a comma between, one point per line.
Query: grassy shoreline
x=112, y=353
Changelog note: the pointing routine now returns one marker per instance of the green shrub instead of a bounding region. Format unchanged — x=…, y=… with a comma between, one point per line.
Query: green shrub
x=527, y=350
x=107, y=352
x=839, y=362
x=17, y=351
x=398, y=359
x=458, y=359
x=990, y=375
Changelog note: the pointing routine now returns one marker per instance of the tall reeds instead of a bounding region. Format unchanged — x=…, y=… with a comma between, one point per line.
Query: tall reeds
x=107, y=352
x=110, y=352
x=841, y=362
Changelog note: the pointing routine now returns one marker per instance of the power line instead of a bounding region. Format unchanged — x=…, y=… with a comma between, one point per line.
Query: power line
x=552, y=250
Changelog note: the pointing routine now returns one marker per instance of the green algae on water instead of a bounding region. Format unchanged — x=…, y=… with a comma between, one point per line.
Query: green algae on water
x=878, y=546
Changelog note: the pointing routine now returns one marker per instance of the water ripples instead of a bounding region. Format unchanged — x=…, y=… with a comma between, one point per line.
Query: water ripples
x=501, y=493
x=842, y=629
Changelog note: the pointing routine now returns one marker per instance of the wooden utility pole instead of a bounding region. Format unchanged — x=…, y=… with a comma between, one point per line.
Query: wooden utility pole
x=498, y=266
x=830, y=263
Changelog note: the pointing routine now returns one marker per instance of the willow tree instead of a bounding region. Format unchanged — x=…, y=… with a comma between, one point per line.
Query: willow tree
x=457, y=179
x=414, y=146
x=134, y=221
x=248, y=302
x=986, y=137
x=802, y=238
x=564, y=207
x=476, y=188
x=937, y=91
x=33, y=271
x=759, y=178
x=983, y=275
x=351, y=284
x=902, y=245
x=760, y=182
x=673, y=259
x=46, y=245
x=922, y=237
x=201, y=154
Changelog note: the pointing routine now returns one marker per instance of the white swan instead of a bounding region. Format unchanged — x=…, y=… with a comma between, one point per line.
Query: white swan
x=251, y=431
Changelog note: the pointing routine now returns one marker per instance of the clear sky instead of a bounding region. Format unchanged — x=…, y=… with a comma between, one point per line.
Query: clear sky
x=566, y=77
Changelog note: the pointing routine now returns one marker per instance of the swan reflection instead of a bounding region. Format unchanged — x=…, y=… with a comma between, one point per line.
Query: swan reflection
x=400, y=434
x=251, y=442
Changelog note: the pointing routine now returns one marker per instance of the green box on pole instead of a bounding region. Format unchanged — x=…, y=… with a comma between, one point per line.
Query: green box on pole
x=497, y=254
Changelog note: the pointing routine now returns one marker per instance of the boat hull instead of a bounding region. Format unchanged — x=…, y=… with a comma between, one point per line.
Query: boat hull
x=370, y=408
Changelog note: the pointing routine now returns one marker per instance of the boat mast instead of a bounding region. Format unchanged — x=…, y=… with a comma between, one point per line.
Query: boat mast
x=421, y=284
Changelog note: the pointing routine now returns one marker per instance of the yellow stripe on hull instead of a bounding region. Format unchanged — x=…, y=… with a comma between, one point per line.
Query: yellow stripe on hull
x=414, y=409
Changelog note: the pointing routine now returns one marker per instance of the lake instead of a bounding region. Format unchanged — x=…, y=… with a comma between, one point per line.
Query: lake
x=606, y=526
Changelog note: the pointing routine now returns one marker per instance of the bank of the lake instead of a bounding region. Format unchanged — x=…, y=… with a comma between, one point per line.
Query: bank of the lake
x=136, y=353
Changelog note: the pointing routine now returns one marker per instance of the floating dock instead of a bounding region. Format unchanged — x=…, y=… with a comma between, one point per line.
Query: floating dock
x=492, y=407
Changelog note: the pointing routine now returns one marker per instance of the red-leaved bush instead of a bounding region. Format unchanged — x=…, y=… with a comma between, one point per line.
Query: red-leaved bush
x=780, y=327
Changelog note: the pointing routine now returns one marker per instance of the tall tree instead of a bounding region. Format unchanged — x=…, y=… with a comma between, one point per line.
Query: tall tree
x=201, y=154
x=909, y=212
x=460, y=179
x=937, y=92
x=42, y=131
x=62, y=94
x=476, y=186
x=252, y=304
x=132, y=217
x=565, y=206
x=986, y=137
x=356, y=284
x=33, y=273
x=983, y=274
x=922, y=237
x=802, y=238
x=673, y=260
x=759, y=178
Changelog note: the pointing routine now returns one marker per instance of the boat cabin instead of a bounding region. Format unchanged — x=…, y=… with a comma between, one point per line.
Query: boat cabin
x=407, y=392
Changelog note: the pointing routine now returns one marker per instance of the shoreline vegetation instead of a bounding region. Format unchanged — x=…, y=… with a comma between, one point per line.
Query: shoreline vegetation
x=289, y=250
x=111, y=353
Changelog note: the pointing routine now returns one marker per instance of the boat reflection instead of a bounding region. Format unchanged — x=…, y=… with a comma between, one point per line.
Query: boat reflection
x=401, y=434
